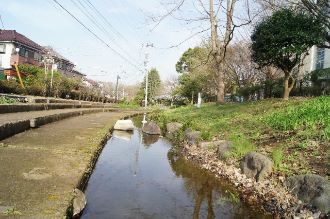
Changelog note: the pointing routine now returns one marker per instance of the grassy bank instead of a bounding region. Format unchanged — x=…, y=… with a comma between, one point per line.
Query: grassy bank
x=294, y=133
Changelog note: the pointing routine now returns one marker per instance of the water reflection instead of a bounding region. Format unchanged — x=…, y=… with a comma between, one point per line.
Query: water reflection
x=203, y=187
x=124, y=135
x=143, y=178
x=148, y=140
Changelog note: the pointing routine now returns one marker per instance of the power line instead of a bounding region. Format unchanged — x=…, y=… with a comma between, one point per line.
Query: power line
x=90, y=16
x=96, y=36
x=106, y=20
x=129, y=23
x=3, y=26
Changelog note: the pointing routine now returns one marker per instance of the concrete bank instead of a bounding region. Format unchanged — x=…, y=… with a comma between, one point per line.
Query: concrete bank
x=14, y=108
x=41, y=167
x=14, y=123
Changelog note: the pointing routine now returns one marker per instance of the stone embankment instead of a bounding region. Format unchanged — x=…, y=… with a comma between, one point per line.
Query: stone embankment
x=306, y=196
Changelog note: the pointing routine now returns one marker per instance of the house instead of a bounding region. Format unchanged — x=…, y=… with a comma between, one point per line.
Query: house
x=16, y=48
x=317, y=58
x=64, y=65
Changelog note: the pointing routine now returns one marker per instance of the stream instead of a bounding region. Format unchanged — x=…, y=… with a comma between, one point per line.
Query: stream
x=139, y=176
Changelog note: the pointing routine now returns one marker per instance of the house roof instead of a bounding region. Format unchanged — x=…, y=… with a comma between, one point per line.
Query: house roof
x=13, y=36
x=52, y=52
x=77, y=72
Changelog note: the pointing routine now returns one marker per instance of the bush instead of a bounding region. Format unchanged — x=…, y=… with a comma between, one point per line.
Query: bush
x=35, y=90
x=11, y=86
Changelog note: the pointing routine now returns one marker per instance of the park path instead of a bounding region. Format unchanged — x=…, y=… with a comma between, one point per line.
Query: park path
x=40, y=168
x=11, y=117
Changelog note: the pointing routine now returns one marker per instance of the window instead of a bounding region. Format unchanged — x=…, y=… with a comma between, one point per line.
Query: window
x=2, y=48
x=320, y=58
x=37, y=56
x=21, y=51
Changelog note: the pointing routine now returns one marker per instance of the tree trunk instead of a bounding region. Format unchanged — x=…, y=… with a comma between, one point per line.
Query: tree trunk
x=287, y=85
x=219, y=51
x=221, y=86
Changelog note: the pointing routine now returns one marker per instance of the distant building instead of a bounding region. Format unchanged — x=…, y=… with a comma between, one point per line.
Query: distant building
x=64, y=65
x=16, y=48
x=317, y=58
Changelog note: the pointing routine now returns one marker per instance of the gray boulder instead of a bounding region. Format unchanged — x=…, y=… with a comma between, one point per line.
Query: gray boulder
x=221, y=147
x=257, y=166
x=79, y=202
x=311, y=189
x=151, y=128
x=224, y=147
x=124, y=125
x=173, y=128
x=192, y=137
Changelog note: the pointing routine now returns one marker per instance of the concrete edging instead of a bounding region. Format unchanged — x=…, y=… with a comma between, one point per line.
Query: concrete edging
x=15, y=108
x=12, y=128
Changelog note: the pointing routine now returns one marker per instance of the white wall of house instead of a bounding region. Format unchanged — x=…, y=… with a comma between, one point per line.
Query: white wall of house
x=5, y=57
x=314, y=60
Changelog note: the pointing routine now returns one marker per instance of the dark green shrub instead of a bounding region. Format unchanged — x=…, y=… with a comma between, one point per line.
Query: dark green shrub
x=11, y=86
x=35, y=90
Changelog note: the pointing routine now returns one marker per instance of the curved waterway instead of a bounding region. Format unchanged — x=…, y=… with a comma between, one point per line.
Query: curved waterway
x=138, y=176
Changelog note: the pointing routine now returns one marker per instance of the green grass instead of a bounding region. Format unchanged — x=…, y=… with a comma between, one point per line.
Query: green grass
x=5, y=100
x=262, y=126
x=128, y=105
x=241, y=146
x=277, y=156
x=312, y=115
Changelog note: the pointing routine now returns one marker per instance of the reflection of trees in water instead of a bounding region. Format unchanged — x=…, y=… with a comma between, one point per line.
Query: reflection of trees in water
x=201, y=185
x=137, y=121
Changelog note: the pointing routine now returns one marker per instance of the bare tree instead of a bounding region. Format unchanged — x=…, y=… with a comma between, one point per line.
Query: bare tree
x=220, y=15
x=240, y=68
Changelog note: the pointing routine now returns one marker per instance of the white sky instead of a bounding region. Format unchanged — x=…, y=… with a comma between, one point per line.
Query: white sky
x=47, y=24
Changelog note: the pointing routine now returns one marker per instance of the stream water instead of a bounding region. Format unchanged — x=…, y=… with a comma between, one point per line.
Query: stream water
x=138, y=176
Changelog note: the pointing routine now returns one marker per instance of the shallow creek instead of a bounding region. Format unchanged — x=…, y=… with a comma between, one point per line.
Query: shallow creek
x=138, y=176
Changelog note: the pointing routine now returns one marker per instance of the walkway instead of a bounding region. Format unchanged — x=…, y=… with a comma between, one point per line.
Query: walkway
x=41, y=167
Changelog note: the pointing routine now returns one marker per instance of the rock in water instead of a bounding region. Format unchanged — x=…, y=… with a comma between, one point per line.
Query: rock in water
x=151, y=128
x=311, y=189
x=124, y=125
x=173, y=128
x=257, y=166
x=192, y=137
x=79, y=202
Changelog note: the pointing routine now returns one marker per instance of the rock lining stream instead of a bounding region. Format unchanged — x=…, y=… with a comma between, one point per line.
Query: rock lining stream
x=139, y=176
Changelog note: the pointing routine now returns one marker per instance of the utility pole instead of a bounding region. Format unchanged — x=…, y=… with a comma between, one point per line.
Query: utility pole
x=147, y=75
x=54, y=66
x=116, y=98
x=46, y=60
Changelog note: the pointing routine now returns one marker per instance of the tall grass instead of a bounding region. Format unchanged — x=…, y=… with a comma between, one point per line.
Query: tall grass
x=277, y=156
x=311, y=115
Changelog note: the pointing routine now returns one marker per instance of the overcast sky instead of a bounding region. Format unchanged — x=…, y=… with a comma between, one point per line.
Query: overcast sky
x=126, y=25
